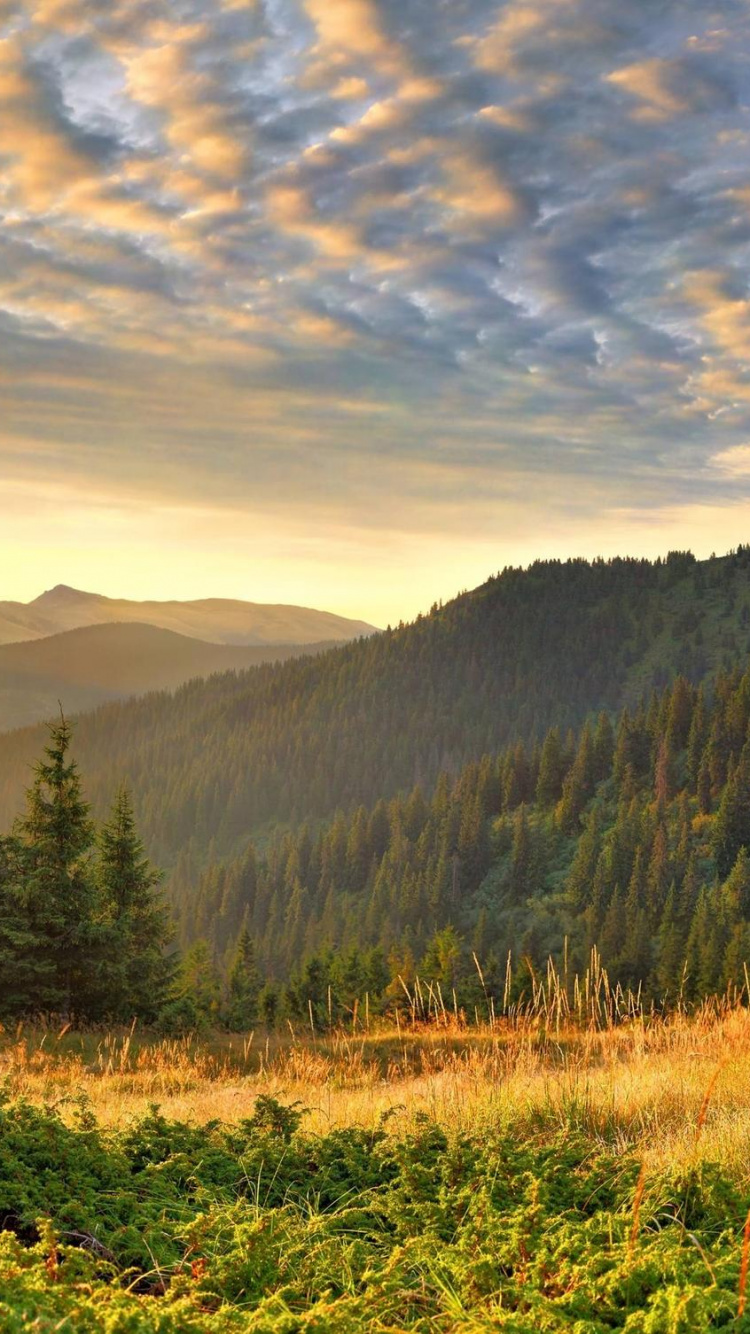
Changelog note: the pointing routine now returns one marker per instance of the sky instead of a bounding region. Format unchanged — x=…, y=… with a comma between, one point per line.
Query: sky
x=350, y=303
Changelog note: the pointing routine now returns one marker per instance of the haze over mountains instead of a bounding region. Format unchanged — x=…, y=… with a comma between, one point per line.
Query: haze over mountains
x=81, y=669
x=81, y=649
x=217, y=620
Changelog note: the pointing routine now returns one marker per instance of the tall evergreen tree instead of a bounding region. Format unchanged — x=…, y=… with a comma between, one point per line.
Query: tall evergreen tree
x=732, y=826
x=243, y=986
x=136, y=972
x=56, y=840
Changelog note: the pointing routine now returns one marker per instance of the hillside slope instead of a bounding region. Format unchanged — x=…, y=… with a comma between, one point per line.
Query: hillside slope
x=530, y=649
x=81, y=669
x=217, y=620
x=632, y=839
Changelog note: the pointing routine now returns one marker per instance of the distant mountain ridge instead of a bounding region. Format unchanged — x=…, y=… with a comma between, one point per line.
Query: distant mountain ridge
x=81, y=669
x=215, y=620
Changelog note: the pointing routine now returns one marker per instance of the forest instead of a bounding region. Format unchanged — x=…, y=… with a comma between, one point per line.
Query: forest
x=628, y=837
x=236, y=755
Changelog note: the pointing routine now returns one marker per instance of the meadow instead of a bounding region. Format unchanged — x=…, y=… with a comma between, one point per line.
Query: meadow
x=530, y=1173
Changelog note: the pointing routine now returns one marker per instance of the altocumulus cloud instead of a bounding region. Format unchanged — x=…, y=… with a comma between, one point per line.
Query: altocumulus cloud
x=399, y=260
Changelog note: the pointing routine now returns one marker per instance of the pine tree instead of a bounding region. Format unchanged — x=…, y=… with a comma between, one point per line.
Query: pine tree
x=244, y=986
x=17, y=938
x=56, y=838
x=737, y=885
x=578, y=786
x=697, y=738
x=662, y=785
x=670, y=949
x=604, y=747
x=551, y=770
x=521, y=881
x=583, y=866
x=442, y=959
x=658, y=878
x=732, y=825
x=195, y=999
x=613, y=931
x=136, y=971
x=680, y=716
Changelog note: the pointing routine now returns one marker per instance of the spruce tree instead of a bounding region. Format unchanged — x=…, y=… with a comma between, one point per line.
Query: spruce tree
x=136, y=971
x=732, y=825
x=243, y=986
x=521, y=882
x=56, y=838
x=551, y=770
x=670, y=950
x=17, y=937
x=195, y=995
x=737, y=885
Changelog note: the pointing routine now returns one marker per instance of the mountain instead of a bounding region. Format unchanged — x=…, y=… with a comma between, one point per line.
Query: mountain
x=81, y=669
x=217, y=620
x=225, y=758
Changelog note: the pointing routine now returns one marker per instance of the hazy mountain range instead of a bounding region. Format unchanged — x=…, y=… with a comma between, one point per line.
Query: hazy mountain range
x=80, y=650
x=217, y=620
x=80, y=669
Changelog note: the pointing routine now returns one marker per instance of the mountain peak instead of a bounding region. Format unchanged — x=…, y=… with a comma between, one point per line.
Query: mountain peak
x=62, y=593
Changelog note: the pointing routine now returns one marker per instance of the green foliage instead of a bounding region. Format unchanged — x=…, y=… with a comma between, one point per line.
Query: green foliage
x=136, y=923
x=581, y=827
x=243, y=986
x=625, y=860
x=82, y=931
x=167, y=1228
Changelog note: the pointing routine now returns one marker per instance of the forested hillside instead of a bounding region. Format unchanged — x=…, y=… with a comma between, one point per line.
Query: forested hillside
x=633, y=841
x=227, y=758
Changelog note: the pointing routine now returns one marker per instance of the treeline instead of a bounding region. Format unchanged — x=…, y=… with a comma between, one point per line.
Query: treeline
x=630, y=837
x=225, y=759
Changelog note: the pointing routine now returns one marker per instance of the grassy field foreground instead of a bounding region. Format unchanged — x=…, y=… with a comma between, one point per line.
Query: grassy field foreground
x=517, y=1178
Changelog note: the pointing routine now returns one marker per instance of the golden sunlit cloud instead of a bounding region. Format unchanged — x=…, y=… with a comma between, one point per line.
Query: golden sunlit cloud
x=648, y=81
x=410, y=295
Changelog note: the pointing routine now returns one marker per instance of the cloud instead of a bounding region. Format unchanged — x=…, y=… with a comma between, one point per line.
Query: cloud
x=735, y=462
x=375, y=263
x=162, y=76
x=350, y=30
x=649, y=81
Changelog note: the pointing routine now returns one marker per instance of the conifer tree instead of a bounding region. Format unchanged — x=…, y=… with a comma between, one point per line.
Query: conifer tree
x=243, y=986
x=737, y=885
x=604, y=747
x=670, y=949
x=578, y=786
x=583, y=866
x=522, y=858
x=136, y=972
x=551, y=770
x=196, y=994
x=56, y=838
x=732, y=826
x=17, y=938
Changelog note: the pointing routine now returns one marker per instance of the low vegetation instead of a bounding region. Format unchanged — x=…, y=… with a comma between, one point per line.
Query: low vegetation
x=524, y=1176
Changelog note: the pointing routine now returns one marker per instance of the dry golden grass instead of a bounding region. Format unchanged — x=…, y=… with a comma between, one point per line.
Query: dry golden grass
x=670, y=1089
